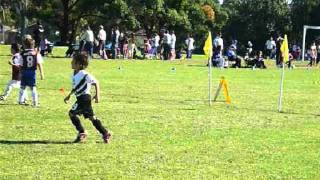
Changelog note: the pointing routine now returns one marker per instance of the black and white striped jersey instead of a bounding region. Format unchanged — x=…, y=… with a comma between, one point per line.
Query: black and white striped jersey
x=81, y=82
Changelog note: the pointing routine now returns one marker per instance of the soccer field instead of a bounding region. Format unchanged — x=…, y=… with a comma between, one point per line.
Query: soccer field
x=162, y=126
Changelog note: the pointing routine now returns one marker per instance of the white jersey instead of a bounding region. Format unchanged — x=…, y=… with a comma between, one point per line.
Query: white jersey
x=189, y=43
x=167, y=38
x=102, y=35
x=156, y=40
x=16, y=59
x=88, y=36
x=218, y=41
x=81, y=82
x=173, y=41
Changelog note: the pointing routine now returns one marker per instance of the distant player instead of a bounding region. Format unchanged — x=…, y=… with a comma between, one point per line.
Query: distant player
x=16, y=76
x=29, y=62
x=81, y=86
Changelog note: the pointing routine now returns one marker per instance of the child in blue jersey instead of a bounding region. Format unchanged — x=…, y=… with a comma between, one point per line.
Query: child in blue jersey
x=81, y=86
x=29, y=62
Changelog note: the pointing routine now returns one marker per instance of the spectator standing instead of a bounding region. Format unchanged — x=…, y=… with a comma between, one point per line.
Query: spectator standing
x=166, y=45
x=313, y=54
x=155, y=45
x=294, y=50
x=115, y=42
x=102, y=36
x=218, y=41
x=279, y=58
x=37, y=33
x=318, y=52
x=190, y=47
x=125, y=48
x=270, y=47
x=88, y=39
x=173, y=46
x=147, y=49
x=131, y=47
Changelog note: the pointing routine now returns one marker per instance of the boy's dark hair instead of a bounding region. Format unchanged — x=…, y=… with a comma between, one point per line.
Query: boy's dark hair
x=15, y=47
x=81, y=59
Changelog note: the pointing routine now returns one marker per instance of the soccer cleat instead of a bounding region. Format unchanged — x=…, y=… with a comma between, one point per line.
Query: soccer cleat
x=106, y=137
x=35, y=105
x=81, y=138
x=2, y=98
x=23, y=103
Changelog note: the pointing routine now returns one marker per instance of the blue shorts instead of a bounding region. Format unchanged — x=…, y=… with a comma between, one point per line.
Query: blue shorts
x=28, y=78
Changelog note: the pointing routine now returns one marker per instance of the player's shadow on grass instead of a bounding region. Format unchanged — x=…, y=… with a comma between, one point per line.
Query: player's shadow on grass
x=15, y=142
x=6, y=55
x=197, y=65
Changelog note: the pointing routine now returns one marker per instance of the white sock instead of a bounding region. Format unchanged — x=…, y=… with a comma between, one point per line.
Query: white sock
x=34, y=96
x=22, y=94
x=8, y=89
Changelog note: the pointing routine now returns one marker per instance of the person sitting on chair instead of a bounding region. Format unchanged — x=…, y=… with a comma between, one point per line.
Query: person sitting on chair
x=232, y=56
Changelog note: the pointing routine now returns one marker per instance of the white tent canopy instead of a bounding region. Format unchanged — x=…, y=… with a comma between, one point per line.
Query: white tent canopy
x=305, y=28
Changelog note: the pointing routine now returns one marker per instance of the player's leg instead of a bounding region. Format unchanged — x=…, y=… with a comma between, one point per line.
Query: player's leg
x=8, y=89
x=35, y=99
x=73, y=114
x=87, y=111
x=98, y=125
x=22, y=95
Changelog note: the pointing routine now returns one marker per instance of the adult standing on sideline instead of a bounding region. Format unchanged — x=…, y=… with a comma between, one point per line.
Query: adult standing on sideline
x=318, y=52
x=173, y=45
x=218, y=41
x=166, y=45
x=102, y=41
x=88, y=39
x=313, y=54
x=155, y=45
x=115, y=41
x=270, y=46
x=37, y=33
x=131, y=47
x=190, y=46
x=279, y=57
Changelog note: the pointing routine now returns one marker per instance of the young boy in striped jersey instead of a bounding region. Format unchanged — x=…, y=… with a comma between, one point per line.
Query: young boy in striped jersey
x=81, y=85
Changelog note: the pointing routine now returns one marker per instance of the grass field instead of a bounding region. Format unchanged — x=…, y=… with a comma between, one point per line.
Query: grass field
x=162, y=125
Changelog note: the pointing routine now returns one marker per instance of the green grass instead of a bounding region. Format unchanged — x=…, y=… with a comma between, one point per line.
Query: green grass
x=162, y=125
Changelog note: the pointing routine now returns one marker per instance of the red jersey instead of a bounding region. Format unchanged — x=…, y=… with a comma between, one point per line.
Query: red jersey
x=16, y=73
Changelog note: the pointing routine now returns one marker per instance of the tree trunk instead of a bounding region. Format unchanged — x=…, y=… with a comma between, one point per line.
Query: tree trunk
x=64, y=29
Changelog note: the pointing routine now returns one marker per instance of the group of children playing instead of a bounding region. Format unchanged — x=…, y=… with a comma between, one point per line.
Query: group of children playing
x=25, y=63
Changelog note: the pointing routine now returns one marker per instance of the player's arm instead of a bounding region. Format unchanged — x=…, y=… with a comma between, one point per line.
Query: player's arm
x=66, y=99
x=11, y=63
x=39, y=64
x=41, y=71
x=97, y=89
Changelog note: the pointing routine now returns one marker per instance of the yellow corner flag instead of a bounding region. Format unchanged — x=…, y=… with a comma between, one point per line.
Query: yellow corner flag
x=285, y=49
x=208, y=46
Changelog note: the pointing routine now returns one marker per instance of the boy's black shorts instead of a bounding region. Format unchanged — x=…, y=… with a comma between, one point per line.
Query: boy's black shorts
x=83, y=106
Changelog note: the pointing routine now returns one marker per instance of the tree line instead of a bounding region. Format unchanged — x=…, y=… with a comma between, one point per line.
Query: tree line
x=243, y=20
